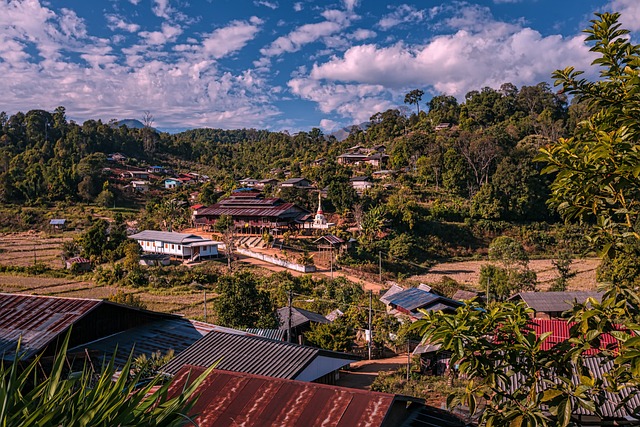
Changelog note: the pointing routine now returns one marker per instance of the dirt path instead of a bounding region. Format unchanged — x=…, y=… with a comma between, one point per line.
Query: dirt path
x=364, y=372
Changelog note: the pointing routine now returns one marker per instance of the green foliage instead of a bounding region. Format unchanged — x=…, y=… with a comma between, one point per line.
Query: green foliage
x=623, y=268
x=87, y=398
x=596, y=171
x=240, y=304
x=335, y=336
x=562, y=263
x=121, y=297
x=149, y=367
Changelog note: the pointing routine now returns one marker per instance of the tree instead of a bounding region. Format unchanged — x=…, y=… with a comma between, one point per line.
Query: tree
x=513, y=275
x=414, y=97
x=226, y=227
x=240, y=304
x=596, y=171
x=121, y=297
x=335, y=336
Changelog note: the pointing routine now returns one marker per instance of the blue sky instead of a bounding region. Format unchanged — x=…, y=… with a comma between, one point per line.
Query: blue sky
x=278, y=64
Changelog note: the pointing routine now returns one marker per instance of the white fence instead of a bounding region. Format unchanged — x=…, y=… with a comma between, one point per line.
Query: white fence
x=277, y=261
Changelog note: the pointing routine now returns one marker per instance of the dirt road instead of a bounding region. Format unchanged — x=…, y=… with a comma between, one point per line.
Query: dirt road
x=365, y=371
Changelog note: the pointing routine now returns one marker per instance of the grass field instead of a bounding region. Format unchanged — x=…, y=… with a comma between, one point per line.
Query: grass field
x=24, y=249
x=468, y=272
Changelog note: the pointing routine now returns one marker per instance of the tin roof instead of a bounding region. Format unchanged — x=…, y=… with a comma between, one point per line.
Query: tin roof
x=251, y=354
x=394, y=289
x=555, y=301
x=57, y=221
x=560, y=332
x=232, y=399
x=273, y=334
x=253, y=206
x=162, y=335
x=78, y=260
x=299, y=317
x=37, y=321
x=414, y=298
x=169, y=237
x=331, y=239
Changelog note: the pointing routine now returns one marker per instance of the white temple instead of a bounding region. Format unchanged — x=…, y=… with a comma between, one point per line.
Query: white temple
x=320, y=221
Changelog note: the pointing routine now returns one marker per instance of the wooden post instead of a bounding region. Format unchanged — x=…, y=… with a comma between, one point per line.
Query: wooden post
x=370, y=329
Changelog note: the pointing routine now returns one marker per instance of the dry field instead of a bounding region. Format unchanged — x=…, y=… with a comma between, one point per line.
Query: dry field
x=24, y=249
x=468, y=272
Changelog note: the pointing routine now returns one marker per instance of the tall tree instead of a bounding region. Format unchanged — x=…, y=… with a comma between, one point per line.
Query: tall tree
x=414, y=97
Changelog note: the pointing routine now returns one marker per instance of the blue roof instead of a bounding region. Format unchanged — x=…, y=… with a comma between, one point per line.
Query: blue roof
x=57, y=221
x=414, y=298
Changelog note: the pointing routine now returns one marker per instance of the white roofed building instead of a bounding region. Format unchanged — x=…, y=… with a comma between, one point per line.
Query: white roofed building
x=180, y=245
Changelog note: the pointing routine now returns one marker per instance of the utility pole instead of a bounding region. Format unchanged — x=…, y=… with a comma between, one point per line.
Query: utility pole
x=408, y=358
x=205, y=304
x=380, y=266
x=370, y=329
x=289, y=318
x=331, y=260
x=488, y=282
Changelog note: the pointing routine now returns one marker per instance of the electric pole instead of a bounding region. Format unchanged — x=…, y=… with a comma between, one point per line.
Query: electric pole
x=205, y=304
x=380, y=266
x=289, y=318
x=370, y=329
x=408, y=358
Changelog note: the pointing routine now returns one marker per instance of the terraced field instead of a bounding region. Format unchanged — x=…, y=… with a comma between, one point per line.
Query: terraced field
x=24, y=249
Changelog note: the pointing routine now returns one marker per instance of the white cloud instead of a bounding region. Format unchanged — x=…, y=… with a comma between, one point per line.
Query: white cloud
x=401, y=15
x=161, y=8
x=506, y=1
x=297, y=6
x=269, y=4
x=168, y=33
x=629, y=13
x=335, y=21
x=115, y=22
x=350, y=4
x=362, y=34
x=328, y=125
x=231, y=38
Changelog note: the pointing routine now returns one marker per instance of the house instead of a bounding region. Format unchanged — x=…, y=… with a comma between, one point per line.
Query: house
x=41, y=322
x=409, y=301
x=319, y=162
x=158, y=170
x=181, y=245
x=243, y=399
x=351, y=158
x=249, y=182
x=78, y=264
x=117, y=157
x=361, y=183
x=330, y=243
x=464, y=295
x=266, y=182
x=442, y=126
x=384, y=174
x=140, y=186
x=252, y=213
x=172, y=183
x=302, y=183
x=273, y=334
x=135, y=174
x=261, y=356
x=550, y=305
x=301, y=321
x=377, y=160
x=58, y=224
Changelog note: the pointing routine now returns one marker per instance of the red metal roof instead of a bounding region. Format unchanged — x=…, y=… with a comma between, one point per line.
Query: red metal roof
x=232, y=399
x=560, y=333
x=37, y=320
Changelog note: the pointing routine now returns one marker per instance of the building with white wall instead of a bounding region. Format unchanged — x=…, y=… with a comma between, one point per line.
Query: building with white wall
x=180, y=245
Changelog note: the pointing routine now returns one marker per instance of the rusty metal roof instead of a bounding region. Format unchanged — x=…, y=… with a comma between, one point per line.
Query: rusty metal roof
x=232, y=399
x=254, y=206
x=37, y=320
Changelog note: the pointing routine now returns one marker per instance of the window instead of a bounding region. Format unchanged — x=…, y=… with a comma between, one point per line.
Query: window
x=173, y=246
x=179, y=247
x=166, y=246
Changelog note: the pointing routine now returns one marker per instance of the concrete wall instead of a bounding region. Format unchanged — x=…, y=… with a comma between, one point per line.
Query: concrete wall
x=278, y=261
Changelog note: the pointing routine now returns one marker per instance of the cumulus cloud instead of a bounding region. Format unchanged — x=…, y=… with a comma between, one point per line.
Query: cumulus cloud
x=350, y=4
x=168, y=33
x=269, y=4
x=297, y=6
x=115, y=22
x=401, y=15
x=361, y=81
x=362, y=34
x=629, y=13
x=328, y=125
x=334, y=22
x=183, y=88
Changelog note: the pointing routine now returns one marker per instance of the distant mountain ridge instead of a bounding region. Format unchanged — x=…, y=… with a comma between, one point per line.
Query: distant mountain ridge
x=342, y=133
x=130, y=123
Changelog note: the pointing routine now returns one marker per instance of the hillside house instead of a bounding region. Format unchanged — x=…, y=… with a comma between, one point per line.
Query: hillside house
x=266, y=182
x=301, y=321
x=172, y=183
x=361, y=183
x=179, y=245
x=248, y=182
x=58, y=224
x=252, y=213
x=78, y=264
x=551, y=305
x=377, y=160
x=351, y=158
x=408, y=302
x=158, y=170
x=135, y=174
x=140, y=186
x=301, y=183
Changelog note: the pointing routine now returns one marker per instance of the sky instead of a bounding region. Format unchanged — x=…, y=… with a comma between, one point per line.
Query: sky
x=276, y=64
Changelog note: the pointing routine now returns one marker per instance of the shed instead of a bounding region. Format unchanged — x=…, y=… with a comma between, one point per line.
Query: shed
x=410, y=301
x=301, y=321
x=549, y=305
x=78, y=264
x=231, y=398
x=58, y=224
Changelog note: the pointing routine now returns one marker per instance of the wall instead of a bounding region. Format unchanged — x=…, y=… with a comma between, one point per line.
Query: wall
x=278, y=261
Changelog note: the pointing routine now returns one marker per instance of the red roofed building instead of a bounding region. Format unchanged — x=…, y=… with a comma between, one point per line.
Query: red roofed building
x=240, y=399
x=560, y=332
x=253, y=214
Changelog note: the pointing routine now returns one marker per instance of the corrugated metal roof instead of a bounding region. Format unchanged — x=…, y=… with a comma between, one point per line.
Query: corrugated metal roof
x=161, y=335
x=250, y=354
x=37, y=320
x=331, y=239
x=598, y=367
x=166, y=236
x=555, y=301
x=414, y=298
x=57, y=221
x=250, y=210
x=394, y=289
x=233, y=399
x=273, y=334
x=560, y=333
x=299, y=317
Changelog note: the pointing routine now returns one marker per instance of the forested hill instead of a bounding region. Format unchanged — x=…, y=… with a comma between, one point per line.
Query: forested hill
x=488, y=146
